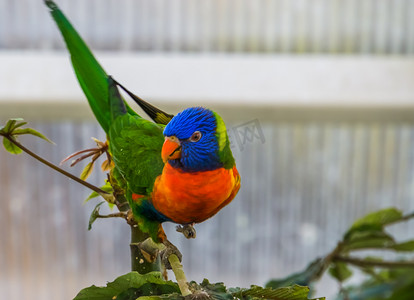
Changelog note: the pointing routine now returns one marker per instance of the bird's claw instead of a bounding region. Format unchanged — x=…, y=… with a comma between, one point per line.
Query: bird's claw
x=187, y=230
x=169, y=250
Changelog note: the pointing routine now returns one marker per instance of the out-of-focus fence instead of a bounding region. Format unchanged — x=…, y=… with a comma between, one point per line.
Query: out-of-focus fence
x=268, y=26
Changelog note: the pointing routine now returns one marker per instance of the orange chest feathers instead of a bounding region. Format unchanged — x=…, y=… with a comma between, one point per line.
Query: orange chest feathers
x=194, y=197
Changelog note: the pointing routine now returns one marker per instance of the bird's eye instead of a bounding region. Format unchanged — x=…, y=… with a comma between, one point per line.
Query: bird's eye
x=196, y=136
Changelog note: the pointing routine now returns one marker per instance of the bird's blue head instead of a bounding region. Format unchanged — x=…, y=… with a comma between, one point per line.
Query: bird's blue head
x=196, y=140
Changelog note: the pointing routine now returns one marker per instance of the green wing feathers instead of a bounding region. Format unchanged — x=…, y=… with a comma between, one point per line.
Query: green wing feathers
x=116, y=103
x=135, y=144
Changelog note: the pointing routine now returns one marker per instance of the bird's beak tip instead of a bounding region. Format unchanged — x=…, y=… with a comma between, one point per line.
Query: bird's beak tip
x=171, y=149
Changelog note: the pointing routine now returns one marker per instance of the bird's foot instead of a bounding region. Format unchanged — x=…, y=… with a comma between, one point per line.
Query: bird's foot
x=187, y=230
x=169, y=250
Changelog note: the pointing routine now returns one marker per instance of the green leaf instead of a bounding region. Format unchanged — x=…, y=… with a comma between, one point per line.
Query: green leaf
x=369, y=233
x=10, y=147
x=10, y=125
x=406, y=246
x=381, y=217
x=295, y=292
x=305, y=278
x=377, y=242
x=94, y=215
x=87, y=171
x=130, y=286
x=396, y=284
x=111, y=205
x=404, y=289
x=107, y=188
x=32, y=132
x=374, y=221
x=216, y=291
x=19, y=124
x=369, y=240
x=340, y=271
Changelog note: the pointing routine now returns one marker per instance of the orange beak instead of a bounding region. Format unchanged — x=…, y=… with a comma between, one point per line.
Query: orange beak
x=171, y=149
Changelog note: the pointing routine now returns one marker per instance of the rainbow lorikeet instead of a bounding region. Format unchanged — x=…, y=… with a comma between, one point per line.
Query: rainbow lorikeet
x=178, y=169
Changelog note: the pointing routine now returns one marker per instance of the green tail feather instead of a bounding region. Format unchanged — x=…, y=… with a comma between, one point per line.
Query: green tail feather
x=91, y=76
x=115, y=100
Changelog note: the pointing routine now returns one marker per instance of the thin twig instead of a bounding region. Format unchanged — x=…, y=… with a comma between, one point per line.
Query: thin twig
x=374, y=263
x=114, y=215
x=56, y=168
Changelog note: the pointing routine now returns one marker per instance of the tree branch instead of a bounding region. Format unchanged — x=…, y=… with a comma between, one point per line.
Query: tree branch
x=107, y=196
x=114, y=215
x=374, y=263
x=177, y=268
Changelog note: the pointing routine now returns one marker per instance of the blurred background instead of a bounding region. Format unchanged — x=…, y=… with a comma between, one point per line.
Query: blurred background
x=318, y=97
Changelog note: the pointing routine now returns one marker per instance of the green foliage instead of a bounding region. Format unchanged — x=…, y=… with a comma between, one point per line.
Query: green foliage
x=107, y=187
x=369, y=232
x=295, y=292
x=386, y=285
x=151, y=286
x=305, y=277
x=340, y=271
x=393, y=283
x=405, y=246
x=10, y=132
x=11, y=147
x=87, y=171
x=21, y=131
x=131, y=286
x=386, y=279
x=373, y=223
x=94, y=214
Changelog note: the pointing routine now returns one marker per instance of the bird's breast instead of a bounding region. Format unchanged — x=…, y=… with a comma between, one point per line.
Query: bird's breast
x=193, y=197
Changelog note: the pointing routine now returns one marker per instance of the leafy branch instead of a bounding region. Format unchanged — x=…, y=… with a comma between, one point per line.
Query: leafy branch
x=367, y=233
x=102, y=148
x=13, y=129
x=150, y=286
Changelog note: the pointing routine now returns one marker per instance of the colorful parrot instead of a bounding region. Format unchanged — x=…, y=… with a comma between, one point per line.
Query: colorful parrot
x=179, y=169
